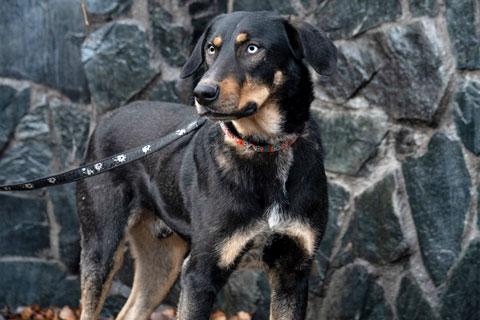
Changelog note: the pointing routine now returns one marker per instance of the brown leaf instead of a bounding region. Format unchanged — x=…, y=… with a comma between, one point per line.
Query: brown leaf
x=26, y=313
x=242, y=315
x=218, y=315
x=67, y=314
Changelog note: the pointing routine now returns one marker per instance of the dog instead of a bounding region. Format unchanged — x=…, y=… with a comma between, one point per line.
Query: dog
x=253, y=174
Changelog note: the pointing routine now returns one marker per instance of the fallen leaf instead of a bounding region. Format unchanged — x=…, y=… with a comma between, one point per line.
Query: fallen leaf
x=218, y=315
x=67, y=314
x=242, y=315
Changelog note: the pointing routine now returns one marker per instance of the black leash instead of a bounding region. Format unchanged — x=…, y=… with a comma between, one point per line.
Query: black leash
x=107, y=164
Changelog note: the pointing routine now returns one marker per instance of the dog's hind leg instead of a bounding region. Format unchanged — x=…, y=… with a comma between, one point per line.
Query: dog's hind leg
x=103, y=218
x=158, y=262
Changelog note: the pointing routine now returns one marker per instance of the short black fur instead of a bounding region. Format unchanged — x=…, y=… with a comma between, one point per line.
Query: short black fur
x=217, y=197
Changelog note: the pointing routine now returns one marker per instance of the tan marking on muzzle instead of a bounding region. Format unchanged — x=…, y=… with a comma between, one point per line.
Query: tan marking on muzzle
x=229, y=92
x=242, y=37
x=253, y=92
x=217, y=41
x=266, y=122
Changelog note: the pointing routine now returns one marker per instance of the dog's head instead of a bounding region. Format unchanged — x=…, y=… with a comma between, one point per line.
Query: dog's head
x=248, y=56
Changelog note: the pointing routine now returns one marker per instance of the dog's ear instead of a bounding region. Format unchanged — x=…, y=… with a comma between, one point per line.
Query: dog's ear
x=309, y=43
x=198, y=55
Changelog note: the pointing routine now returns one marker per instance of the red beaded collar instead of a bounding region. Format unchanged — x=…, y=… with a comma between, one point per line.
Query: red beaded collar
x=257, y=148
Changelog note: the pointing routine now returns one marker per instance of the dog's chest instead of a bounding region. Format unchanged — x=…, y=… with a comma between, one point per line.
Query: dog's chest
x=276, y=219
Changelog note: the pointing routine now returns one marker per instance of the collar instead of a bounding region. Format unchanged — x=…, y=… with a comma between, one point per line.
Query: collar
x=255, y=147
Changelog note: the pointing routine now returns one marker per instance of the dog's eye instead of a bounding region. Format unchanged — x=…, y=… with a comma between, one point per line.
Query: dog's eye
x=252, y=48
x=211, y=49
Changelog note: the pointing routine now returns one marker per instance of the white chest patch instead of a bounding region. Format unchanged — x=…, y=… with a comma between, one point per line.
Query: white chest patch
x=274, y=215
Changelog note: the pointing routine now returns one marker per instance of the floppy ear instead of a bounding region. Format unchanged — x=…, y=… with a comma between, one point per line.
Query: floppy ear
x=198, y=55
x=309, y=43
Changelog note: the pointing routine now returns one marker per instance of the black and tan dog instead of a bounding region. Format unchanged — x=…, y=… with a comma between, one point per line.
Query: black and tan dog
x=253, y=174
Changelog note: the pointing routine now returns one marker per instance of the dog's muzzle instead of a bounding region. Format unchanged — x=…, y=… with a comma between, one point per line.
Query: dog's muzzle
x=206, y=111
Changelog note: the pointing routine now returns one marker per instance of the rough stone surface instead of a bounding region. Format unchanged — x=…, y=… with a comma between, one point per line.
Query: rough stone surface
x=358, y=62
x=280, y=6
x=423, y=7
x=354, y=295
x=245, y=291
x=415, y=64
x=24, y=230
x=347, y=18
x=438, y=187
x=163, y=91
x=48, y=32
x=337, y=201
x=25, y=282
x=107, y=7
x=116, y=60
x=350, y=139
x=463, y=27
x=65, y=210
x=171, y=37
x=410, y=303
x=375, y=233
x=462, y=294
x=466, y=106
x=71, y=124
x=13, y=106
x=388, y=68
x=31, y=155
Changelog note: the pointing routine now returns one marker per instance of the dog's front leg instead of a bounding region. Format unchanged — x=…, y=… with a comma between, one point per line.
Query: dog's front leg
x=201, y=280
x=288, y=269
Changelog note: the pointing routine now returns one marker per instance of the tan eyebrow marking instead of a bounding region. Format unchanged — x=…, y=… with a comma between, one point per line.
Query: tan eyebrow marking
x=242, y=37
x=217, y=41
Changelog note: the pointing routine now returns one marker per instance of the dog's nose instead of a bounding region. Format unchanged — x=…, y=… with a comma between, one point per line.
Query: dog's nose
x=206, y=93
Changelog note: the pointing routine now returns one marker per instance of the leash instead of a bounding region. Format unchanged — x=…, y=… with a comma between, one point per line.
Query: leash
x=106, y=164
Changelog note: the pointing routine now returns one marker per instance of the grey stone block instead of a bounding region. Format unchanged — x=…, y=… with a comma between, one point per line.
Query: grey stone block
x=338, y=198
x=43, y=40
x=107, y=7
x=34, y=281
x=461, y=299
x=462, y=22
x=14, y=105
x=31, y=154
x=466, y=108
x=116, y=58
x=423, y=7
x=347, y=18
x=438, y=188
x=24, y=230
x=414, y=64
x=350, y=139
x=353, y=294
x=171, y=38
x=280, y=6
x=410, y=302
x=375, y=233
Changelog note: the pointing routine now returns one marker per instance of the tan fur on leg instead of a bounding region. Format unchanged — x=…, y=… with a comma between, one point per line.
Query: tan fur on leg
x=157, y=265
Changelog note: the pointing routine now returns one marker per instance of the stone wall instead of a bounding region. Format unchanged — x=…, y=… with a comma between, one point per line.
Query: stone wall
x=400, y=123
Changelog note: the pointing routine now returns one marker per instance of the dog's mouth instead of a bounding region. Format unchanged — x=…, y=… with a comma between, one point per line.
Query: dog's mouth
x=246, y=111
